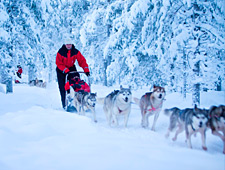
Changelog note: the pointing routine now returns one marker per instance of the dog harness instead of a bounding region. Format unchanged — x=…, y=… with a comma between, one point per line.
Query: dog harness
x=152, y=107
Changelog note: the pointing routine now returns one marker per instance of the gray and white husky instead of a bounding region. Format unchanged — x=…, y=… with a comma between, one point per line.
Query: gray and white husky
x=217, y=122
x=151, y=104
x=192, y=120
x=118, y=103
x=84, y=101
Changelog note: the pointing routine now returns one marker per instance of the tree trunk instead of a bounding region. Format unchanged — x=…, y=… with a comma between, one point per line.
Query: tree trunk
x=9, y=84
x=2, y=78
x=196, y=94
x=50, y=72
x=219, y=84
x=31, y=73
x=109, y=26
x=185, y=85
x=196, y=87
x=104, y=74
x=185, y=77
x=185, y=74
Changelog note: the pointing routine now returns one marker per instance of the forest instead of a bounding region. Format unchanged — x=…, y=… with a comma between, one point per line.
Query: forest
x=179, y=44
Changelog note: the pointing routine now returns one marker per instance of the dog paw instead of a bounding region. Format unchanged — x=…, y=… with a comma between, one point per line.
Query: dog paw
x=174, y=139
x=144, y=126
x=167, y=135
x=204, y=148
x=153, y=129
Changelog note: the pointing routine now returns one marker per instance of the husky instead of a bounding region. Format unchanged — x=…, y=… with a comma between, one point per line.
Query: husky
x=84, y=101
x=38, y=83
x=151, y=104
x=192, y=120
x=217, y=122
x=118, y=103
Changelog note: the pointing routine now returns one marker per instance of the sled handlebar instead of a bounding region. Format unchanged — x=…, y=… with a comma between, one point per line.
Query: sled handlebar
x=75, y=72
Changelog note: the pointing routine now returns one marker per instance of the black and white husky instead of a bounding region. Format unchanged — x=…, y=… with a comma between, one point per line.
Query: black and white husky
x=192, y=120
x=118, y=103
x=84, y=101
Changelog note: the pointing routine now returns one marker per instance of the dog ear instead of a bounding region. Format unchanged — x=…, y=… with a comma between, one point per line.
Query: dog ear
x=130, y=87
x=196, y=107
x=121, y=87
x=220, y=110
x=211, y=109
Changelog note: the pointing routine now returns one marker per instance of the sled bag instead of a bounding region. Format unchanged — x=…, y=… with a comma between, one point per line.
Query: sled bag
x=78, y=85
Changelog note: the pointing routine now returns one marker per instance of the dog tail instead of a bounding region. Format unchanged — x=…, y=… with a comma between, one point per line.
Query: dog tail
x=136, y=100
x=100, y=100
x=169, y=112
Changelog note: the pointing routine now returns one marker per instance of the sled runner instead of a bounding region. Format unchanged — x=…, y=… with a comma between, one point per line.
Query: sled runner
x=73, y=80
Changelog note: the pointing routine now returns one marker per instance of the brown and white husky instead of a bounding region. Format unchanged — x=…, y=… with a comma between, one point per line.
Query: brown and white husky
x=151, y=104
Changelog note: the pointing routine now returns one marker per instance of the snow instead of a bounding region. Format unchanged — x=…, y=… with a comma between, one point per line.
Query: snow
x=35, y=133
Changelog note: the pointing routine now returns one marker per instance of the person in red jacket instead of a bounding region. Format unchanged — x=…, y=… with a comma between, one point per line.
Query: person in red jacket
x=65, y=60
x=19, y=72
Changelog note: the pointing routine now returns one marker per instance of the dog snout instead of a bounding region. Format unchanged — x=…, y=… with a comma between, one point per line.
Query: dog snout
x=160, y=96
x=93, y=104
x=200, y=124
x=126, y=99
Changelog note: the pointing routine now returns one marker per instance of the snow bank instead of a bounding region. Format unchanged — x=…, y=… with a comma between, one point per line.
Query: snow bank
x=37, y=134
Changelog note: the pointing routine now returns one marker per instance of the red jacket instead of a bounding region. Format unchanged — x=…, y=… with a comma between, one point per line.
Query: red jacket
x=20, y=70
x=66, y=58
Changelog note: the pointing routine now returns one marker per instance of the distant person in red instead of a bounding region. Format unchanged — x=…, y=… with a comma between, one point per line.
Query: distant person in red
x=19, y=72
x=65, y=60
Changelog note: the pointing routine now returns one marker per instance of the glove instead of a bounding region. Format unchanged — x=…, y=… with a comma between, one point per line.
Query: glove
x=76, y=86
x=87, y=74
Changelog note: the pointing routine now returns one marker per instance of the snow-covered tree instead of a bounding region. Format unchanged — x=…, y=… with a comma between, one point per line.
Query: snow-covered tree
x=179, y=44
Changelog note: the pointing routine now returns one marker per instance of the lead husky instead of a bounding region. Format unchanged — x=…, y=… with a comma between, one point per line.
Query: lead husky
x=84, y=101
x=151, y=104
x=192, y=120
x=217, y=122
x=118, y=103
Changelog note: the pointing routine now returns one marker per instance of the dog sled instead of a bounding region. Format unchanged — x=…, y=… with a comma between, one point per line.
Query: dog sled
x=78, y=85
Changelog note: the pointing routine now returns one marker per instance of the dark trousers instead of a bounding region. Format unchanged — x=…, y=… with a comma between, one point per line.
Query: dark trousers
x=62, y=81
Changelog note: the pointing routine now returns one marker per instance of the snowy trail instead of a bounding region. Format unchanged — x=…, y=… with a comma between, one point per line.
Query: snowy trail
x=35, y=133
